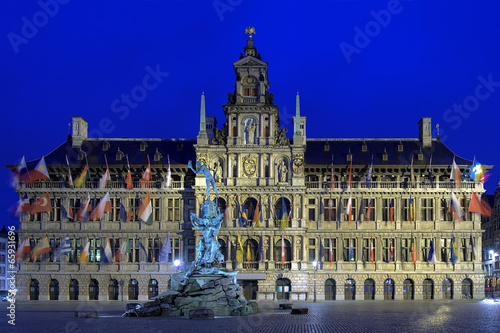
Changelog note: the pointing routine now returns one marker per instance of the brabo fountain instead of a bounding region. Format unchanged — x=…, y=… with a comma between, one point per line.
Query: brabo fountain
x=204, y=285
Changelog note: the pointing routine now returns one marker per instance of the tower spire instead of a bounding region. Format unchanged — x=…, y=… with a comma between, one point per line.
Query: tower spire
x=297, y=114
x=202, y=134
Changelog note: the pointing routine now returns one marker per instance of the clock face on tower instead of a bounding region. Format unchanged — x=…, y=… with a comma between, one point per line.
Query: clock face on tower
x=250, y=165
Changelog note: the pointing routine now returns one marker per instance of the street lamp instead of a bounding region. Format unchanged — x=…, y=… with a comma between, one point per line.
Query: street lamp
x=315, y=264
x=177, y=263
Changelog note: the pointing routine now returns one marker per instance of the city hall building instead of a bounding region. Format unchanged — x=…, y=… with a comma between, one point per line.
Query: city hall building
x=364, y=234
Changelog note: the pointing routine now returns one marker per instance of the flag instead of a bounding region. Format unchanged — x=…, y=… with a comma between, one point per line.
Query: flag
x=261, y=220
x=24, y=205
x=23, y=249
x=411, y=170
x=282, y=249
x=471, y=248
x=256, y=216
x=348, y=209
x=70, y=213
x=369, y=175
x=332, y=178
x=350, y=175
x=80, y=180
x=84, y=254
x=368, y=210
x=391, y=252
x=260, y=249
x=455, y=173
x=42, y=204
x=290, y=212
x=331, y=252
x=477, y=171
x=456, y=208
x=104, y=179
x=372, y=251
x=144, y=250
x=412, y=209
x=40, y=172
x=128, y=180
x=165, y=250
x=104, y=206
x=40, y=248
x=226, y=215
x=243, y=216
x=479, y=206
x=108, y=253
x=249, y=254
x=413, y=251
x=121, y=253
x=391, y=210
x=146, y=176
x=453, y=250
x=64, y=248
x=284, y=214
x=431, y=176
x=82, y=213
x=351, y=250
x=432, y=253
x=21, y=173
x=70, y=179
x=146, y=210
x=168, y=179
x=239, y=251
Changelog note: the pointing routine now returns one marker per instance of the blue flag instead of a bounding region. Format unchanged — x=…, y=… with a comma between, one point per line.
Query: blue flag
x=260, y=249
x=454, y=251
x=369, y=175
x=165, y=250
x=432, y=254
x=123, y=212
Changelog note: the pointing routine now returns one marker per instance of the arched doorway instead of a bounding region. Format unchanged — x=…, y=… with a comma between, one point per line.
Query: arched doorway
x=369, y=289
x=34, y=290
x=350, y=289
x=467, y=287
x=152, y=288
x=54, y=290
x=93, y=290
x=283, y=288
x=408, y=288
x=330, y=290
x=74, y=290
x=113, y=290
x=250, y=254
x=249, y=289
x=428, y=289
x=447, y=289
x=133, y=289
x=287, y=252
x=388, y=289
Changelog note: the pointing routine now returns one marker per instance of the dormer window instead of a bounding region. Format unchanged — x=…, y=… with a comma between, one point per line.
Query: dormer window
x=326, y=147
x=105, y=146
x=180, y=147
x=364, y=147
x=81, y=155
x=119, y=155
x=157, y=156
x=385, y=156
x=349, y=157
x=143, y=146
x=420, y=156
x=400, y=146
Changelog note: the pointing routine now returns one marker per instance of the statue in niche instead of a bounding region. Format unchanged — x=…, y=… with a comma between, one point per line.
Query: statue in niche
x=282, y=171
x=251, y=131
x=218, y=171
x=203, y=170
x=281, y=138
x=220, y=137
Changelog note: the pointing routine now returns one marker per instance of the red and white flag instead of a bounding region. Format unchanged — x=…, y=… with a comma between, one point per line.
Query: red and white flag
x=128, y=180
x=372, y=251
x=104, y=206
x=42, y=204
x=146, y=176
x=282, y=249
x=104, y=179
x=455, y=173
x=70, y=179
x=348, y=209
x=23, y=249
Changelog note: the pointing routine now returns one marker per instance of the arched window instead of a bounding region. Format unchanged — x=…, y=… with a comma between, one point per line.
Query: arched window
x=54, y=290
x=34, y=290
x=283, y=288
x=93, y=290
x=152, y=288
x=266, y=131
x=388, y=289
x=350, y=289
x=249, y=208
x=282, y=208
x=74, y=290
x=250, y=255
x=428, y=289
x=235, y=131
x=408, y=287
x=330, y=290
x=447, y=289
x=133, y=289
x=113, y=290
x=221, y=204
x=369, y=289
x=287, y=251
x=467, y=287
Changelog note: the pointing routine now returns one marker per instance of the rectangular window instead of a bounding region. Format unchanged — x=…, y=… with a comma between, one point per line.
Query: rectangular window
x=406, y=249
x=154, y=248
x=465, y=254
x=349, y=249
x=156, y=209
x=387, y=255
x=386, y=211
x=135, y=250
x=246, y=92
x=408, y=210
x=55, y=214
x=173, y=209
x=444, y=211
x=312, y=214
x=366, y=205
x=445, y=249
x=326, y=256
x=366, y=249
x=116, y=208
x=330, y=209
x=465, y=205
x=353, y=209
x=76, y=248
x=54, y=245
x=95, y=250
x=427, y=209
x=425, y=244
x=312, y=254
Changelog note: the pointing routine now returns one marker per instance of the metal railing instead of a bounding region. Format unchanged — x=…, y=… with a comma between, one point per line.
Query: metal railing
x=109, y=185
x=391, y=184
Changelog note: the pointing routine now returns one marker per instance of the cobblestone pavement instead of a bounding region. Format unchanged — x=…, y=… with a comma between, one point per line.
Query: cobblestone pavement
x=335, y=316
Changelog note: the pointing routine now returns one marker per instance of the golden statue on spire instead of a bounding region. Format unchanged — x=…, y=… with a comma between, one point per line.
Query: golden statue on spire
x=250, y=31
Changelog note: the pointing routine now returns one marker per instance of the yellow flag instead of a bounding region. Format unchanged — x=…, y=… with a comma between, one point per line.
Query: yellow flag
x=239, y=252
